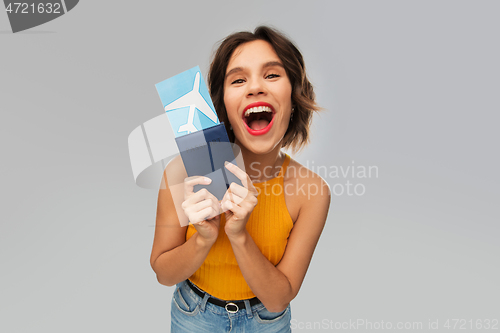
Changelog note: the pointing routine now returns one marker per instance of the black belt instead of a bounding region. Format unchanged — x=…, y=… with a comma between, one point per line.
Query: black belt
x=230, y=306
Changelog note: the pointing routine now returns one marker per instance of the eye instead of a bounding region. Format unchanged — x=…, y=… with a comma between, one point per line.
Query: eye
x=272, y=76
x=238, y=81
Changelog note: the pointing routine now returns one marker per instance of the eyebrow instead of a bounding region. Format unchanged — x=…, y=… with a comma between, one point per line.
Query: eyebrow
x=266, y=65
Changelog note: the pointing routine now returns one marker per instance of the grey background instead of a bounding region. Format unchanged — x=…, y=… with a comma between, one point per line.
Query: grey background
x=408, y=86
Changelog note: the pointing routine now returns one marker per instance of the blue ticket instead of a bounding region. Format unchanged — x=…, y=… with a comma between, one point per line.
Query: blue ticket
x=186, y=100
x=202, y=140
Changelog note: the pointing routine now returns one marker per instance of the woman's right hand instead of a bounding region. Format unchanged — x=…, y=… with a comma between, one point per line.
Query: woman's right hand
x=202, y=208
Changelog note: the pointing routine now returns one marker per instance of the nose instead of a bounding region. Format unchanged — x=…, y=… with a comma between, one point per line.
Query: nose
x=256, y=87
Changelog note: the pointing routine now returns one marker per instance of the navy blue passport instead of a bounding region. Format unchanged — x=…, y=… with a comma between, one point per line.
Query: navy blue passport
x=204, y=153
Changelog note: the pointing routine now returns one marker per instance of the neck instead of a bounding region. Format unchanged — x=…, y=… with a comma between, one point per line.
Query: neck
x=262, y=167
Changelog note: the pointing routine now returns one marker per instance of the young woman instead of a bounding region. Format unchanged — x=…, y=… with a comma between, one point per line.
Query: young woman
x=241, y=261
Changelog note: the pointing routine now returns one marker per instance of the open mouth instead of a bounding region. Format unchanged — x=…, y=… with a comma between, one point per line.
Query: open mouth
x=258, y=118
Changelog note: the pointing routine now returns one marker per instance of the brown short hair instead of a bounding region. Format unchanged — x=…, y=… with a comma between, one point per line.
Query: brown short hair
x=303, y=98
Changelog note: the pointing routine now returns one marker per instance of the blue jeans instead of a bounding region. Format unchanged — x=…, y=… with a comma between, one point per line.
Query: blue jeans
x=193, y=314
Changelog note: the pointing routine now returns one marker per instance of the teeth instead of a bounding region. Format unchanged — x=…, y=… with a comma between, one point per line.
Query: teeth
x=258, y=109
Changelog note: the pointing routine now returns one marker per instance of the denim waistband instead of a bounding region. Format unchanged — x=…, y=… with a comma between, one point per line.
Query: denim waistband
x=205, y=305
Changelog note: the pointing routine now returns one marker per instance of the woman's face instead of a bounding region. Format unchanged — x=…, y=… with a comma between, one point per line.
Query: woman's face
x=257, y=96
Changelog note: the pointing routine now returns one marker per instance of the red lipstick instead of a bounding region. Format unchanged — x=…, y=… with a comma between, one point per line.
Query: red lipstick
x=263, y=130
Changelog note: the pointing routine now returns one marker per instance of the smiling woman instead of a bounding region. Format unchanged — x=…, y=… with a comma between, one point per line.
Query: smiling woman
x=285, y=57
x=239, y=268
x=256, y=79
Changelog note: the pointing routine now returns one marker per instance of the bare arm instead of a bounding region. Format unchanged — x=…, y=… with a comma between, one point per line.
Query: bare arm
x=173, y=258
x=277, y=286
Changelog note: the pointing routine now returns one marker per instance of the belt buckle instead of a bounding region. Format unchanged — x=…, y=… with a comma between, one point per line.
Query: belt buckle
x=233, y=305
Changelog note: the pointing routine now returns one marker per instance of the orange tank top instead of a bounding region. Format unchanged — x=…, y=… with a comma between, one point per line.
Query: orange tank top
x=269, y=225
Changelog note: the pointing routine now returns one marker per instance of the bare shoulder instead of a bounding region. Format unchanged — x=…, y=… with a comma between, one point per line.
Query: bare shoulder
x=302, y=176
x=305, y=190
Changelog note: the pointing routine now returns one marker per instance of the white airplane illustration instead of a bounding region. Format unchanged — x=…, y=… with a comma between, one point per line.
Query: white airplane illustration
x=193, y=99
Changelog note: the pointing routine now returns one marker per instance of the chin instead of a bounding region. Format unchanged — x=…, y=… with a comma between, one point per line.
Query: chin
x=260, y=146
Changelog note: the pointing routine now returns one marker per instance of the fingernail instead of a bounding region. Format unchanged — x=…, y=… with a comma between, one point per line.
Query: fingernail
x=208, y=180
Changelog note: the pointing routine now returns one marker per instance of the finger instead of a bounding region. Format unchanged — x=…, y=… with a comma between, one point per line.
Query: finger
x=239, y=193
x=238, y=212
x=227, y=205
x=199, y=201
x=196, y=197
x=227, y=197
x=190, y=182
x=215, y=202
x=201, y=205
x=203, y=214
x=209, y=212
x=215, y=205
x=241, y=175
x=234, y=198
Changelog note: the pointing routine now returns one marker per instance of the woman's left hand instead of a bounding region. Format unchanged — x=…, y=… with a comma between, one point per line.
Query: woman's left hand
x=238, y=202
